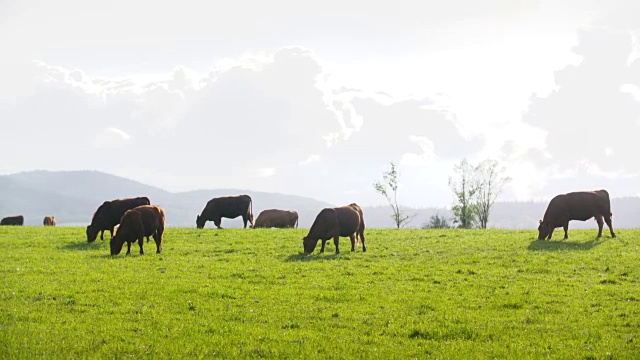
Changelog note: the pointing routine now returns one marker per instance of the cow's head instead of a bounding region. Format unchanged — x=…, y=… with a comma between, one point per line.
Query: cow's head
x=92, y=233
x=309, y=244
x=200, y=222
x=116, y=245
x=544, y=229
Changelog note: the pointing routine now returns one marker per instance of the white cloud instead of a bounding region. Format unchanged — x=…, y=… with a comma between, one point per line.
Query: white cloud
x=265, y=172
x=111, y=138
x=424, y=88
x=311, y=159
x=591, y=119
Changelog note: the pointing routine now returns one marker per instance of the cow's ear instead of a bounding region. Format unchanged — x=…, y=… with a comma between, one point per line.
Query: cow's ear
x=540, y=221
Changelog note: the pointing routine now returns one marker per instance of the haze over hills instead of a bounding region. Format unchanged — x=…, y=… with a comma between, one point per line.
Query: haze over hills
x=73, y=196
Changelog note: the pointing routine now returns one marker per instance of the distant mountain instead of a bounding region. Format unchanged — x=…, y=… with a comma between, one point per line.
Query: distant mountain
x=73, y=196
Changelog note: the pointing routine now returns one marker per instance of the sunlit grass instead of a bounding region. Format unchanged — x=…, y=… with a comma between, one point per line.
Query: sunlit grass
x=250, y=293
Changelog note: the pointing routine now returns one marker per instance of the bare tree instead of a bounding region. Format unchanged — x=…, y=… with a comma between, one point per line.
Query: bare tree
x=465, y=188
x=489, y=184
x=389, y=189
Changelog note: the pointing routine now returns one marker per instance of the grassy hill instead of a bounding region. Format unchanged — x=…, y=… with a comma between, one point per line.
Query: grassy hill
x=236, y=293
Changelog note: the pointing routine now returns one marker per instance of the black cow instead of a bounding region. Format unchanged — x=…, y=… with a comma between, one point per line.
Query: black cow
x=581, y=205
x=109, y=214
x=226, y=207
x=13, y=220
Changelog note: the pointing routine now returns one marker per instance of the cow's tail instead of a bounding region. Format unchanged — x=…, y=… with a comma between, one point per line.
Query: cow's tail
x=251, y=212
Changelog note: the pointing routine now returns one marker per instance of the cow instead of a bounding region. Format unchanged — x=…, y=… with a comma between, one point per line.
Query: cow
x=333, y=223
x=226, y=207
x=581, y=205
x=49, y=221
x=109, y=214
x=141, y=221
x=17, y=220
x=277, y=218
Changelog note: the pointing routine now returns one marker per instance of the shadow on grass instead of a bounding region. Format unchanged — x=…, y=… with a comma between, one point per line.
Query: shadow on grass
x=301, y=257
x=561, y=245
x=82, y=246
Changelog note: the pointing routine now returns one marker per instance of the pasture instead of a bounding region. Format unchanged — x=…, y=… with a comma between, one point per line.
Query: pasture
x=249, y=293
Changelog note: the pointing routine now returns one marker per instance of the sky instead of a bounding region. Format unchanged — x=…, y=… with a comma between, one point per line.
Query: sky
x=318, y=98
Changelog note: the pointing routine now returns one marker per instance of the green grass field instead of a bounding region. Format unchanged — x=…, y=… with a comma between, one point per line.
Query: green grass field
x=244, y=293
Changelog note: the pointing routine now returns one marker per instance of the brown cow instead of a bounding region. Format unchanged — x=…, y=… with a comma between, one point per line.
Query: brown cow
x=146, y=220
x=49, y=221
x=333, y=223
x=17, y=220
x=226, y=207
x=581, y=205
x=109, y=214
x=276, y=218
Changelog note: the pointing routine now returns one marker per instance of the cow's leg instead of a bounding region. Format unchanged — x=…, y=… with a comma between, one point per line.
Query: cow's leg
x=128, y=247
x=101, y=234
x=550, y=233
x=111, y=232
x=322, y=248
x=141, y=242
x=244, y=220
x=364, y=248
x=607, y=219
x=157, y=237
x=566, y=229
x=217, y=222
x=600, y=224
x=336, y=240
x=352, y=237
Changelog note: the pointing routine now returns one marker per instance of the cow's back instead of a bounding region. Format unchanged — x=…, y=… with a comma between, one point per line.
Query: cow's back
x=152, y=216
x=325, y=226
x=13, y=220
x=579, y=205
x=142, y=220
x=228, y=206
x=348, y=220
x=110, y=212
x=587, y=204
x=268, y=218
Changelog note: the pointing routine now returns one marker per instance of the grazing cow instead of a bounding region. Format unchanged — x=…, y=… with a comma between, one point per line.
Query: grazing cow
x=277, y=218
x=226, y=207
x=109, y=214
x=581, y=205
x=13, y=220
x=49, y=221
x=146, y=220
x=333, y=223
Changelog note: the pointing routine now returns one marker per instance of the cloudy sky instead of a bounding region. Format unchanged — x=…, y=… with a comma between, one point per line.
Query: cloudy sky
x=317, y=98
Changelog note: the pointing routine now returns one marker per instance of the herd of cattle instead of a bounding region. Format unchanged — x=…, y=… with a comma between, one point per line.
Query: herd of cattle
x=139, y=219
